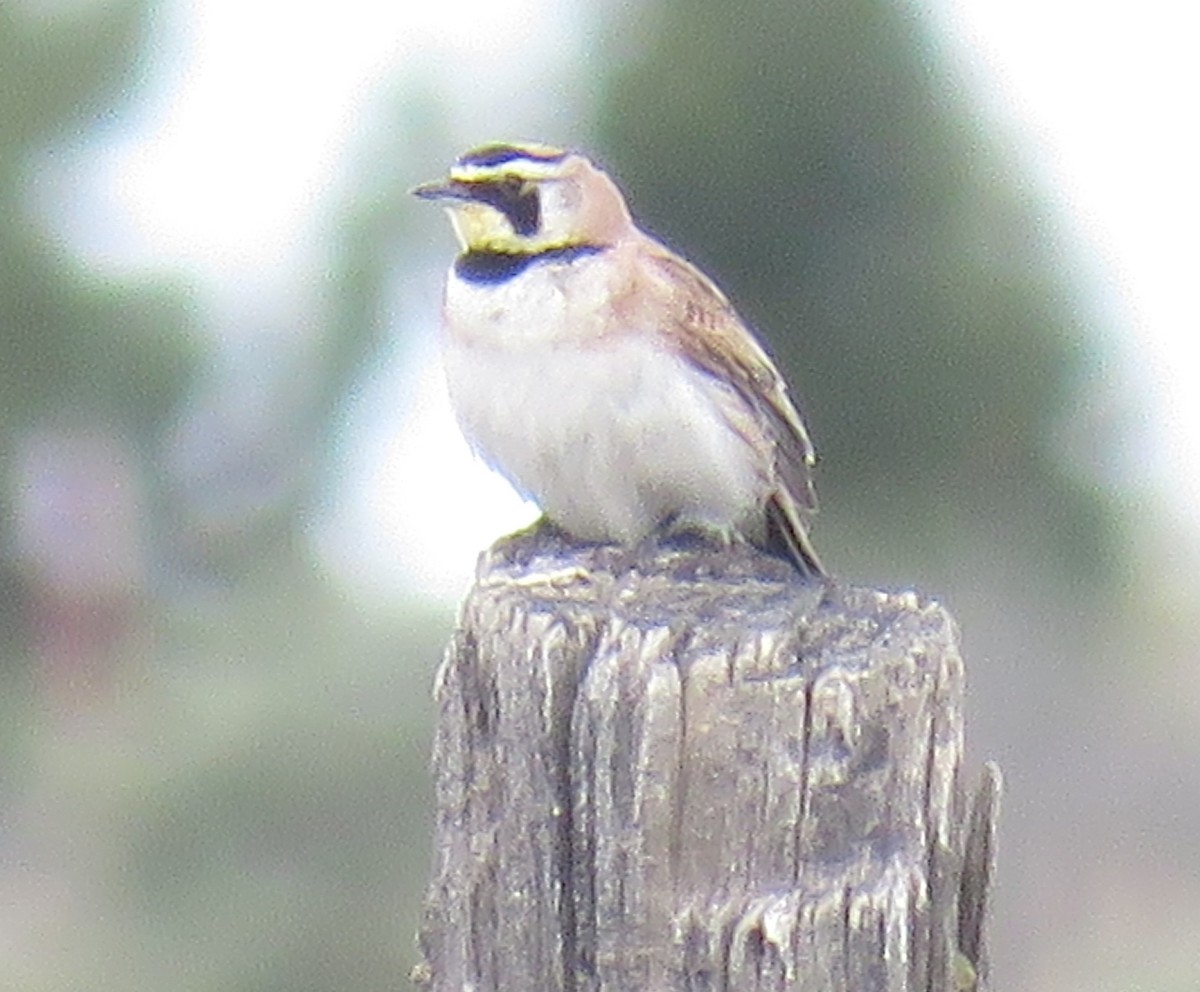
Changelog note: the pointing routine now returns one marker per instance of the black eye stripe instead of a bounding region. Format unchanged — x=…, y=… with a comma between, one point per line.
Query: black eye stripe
x=518, y=201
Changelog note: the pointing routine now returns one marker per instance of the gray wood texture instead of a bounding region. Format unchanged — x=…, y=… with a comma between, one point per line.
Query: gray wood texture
x=687, y=770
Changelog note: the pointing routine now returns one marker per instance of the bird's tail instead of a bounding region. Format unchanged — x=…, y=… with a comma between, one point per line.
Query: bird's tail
x=788, y=538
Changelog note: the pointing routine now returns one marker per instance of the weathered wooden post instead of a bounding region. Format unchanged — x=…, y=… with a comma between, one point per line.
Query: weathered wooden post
x=696, y=773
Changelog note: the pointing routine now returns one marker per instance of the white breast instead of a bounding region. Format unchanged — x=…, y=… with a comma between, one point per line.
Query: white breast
x=609, y=435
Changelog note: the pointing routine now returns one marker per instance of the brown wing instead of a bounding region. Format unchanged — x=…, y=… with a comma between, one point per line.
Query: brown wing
x=708, y=330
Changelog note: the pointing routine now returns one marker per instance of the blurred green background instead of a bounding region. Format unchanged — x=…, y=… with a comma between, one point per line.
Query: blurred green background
x=215, y=712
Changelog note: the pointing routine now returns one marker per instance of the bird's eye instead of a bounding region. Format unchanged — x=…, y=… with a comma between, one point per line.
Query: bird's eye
x=523, y=206
x=516, y=198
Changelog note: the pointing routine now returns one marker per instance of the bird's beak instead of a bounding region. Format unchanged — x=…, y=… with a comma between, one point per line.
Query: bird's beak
x=442, y=189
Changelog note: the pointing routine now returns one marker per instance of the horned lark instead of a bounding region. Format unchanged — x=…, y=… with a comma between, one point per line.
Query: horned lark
x=608, y=379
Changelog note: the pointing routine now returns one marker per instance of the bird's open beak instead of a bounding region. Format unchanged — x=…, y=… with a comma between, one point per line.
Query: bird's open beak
x=442, y=189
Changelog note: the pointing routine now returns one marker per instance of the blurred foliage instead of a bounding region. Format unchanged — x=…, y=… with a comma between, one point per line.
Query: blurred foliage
x=231, y=794
x=360, y=322
x=250, y=811
x=119, y=352
x=821, y=160
x=72, y=348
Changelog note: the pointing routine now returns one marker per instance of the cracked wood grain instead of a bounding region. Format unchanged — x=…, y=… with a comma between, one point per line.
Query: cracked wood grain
x=688, y=772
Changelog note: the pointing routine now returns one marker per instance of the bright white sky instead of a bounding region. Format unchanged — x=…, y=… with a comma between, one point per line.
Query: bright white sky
x=260, y=99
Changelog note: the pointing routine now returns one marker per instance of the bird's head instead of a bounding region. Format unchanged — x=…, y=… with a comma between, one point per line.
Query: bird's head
x=529, y=198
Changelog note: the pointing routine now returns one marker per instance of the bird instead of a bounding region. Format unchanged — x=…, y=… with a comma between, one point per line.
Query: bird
x=607, y=378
